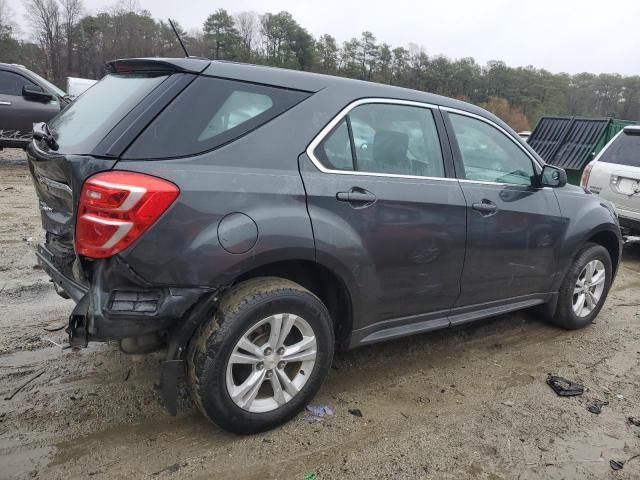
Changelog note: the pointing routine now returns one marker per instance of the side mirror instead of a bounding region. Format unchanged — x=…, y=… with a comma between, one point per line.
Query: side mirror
x=553, y=177
x=34, y=92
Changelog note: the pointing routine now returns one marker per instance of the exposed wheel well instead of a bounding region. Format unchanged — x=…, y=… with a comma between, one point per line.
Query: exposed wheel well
x=608, y=240
x=319, y=280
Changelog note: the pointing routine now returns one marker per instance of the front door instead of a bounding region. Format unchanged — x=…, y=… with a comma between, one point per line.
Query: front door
x=386, y=212
x=514, y=227
x=17, y=114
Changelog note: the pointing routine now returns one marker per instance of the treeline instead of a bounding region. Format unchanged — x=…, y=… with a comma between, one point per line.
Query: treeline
x=68, y=42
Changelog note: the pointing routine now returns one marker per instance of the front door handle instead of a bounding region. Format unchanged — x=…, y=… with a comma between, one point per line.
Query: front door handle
x=486, y=207
x=357, y=196
x=2, y=102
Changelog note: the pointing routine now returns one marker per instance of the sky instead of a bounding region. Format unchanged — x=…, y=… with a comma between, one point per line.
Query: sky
x=559, y=35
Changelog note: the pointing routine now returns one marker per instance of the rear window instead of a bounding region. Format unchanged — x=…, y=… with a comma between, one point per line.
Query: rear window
x=208, y=114
x=81, y=126
x=625, y=150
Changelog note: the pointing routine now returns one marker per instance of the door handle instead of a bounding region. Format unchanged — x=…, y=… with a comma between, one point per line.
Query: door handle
x=2, y=102
x=358, y=196
x=486, y=207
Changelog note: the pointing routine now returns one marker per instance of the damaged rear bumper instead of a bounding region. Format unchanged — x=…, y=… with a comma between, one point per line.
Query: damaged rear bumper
x=118, y=304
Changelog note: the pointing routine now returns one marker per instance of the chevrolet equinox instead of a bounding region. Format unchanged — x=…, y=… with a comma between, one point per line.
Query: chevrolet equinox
x=250, y=220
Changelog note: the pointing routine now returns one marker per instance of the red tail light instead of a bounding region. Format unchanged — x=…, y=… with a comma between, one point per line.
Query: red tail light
x=586, y=173
x=115, y=208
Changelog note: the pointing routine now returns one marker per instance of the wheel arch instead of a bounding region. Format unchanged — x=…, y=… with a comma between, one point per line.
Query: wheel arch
x=610, y=241
x=319, y=279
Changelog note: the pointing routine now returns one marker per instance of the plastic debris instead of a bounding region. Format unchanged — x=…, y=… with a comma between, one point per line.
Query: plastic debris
x=596, y=406
x=616, y=464
x=564, y=387
x=619, y=397
x=634, y=421
x=310, y=476
x=356, y=412
x=318, y=412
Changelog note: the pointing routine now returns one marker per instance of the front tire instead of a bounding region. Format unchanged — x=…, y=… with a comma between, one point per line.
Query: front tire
x=585, y=288
x=262, y=357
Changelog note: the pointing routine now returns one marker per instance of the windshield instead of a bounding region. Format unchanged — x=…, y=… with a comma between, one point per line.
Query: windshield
x=81, y=126
x=50, y=86
x=625, y=150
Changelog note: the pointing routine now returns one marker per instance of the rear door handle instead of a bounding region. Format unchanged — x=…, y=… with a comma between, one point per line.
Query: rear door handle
x=2, y=102
x=357, y=196
x=486, y=207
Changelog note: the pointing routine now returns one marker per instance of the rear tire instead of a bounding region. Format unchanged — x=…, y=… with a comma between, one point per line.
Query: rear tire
x=584, y=290
x=240, y=349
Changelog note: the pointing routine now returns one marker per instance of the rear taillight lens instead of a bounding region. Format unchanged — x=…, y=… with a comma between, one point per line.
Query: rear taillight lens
x=586, y=173
x=115, y=208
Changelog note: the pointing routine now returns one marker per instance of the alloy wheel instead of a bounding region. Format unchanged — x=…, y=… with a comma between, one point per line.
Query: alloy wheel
x=589, y=288
x=271, y=363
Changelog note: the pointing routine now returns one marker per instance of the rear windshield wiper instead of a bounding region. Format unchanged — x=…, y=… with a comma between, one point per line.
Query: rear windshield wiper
x=41, y=132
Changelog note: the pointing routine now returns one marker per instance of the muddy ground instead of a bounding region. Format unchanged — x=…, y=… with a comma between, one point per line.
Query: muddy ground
x=470, y=402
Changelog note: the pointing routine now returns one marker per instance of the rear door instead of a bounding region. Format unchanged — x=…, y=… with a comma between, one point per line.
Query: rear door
x=387, y=213
x=513, y=227
x=616, y=173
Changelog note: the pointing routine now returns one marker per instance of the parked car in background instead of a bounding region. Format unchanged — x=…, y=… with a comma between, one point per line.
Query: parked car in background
x=25, y=98
x=249, y=220
x=525, y=134
x=77, y=86
x=615, y=175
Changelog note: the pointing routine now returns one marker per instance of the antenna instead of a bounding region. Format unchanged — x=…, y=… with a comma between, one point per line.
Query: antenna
x=186, y=54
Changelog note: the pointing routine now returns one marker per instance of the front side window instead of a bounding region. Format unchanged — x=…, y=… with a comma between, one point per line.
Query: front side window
x=489, y=155
x=12, y=83
x=209, y=113
x=625, y=150
x=385, y=138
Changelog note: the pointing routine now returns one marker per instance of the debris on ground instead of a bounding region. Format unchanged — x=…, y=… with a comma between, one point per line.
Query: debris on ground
x=318, y=412
x=596, y=406
x=356, y=412
x=24, y=384
x=55, y=328
x=564, y=387
x=620, y=397
x=634, y=421
x=310, y=476
x=616, y=464
x=508, y=403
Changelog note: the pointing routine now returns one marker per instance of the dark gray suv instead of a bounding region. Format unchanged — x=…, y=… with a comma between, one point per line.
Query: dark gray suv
x=25, y=98
x=250, y=220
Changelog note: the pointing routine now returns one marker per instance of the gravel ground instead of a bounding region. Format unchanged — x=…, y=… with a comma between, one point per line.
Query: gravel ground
x=468, y=402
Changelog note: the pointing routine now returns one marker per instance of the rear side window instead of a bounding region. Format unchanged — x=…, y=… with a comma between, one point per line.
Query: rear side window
x=625, y=150
x=81, y=126
x=12, y=83
x=208, y=114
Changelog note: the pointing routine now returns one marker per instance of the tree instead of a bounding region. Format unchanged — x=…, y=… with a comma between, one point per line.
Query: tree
x=327, y=54
x=220, y=31
x=45, y=19
x=248, y=26
x=71, y=11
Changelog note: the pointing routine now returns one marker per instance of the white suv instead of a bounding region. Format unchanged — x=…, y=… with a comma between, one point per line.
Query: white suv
x=615, y=175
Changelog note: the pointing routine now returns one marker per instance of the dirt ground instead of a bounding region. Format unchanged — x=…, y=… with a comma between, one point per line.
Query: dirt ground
x=468, y=402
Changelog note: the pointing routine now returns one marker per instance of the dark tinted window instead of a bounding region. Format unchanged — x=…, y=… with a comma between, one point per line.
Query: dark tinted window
x=488, y=154
x=210, y=113
x=625, y=150
x=80, y=127
x=12, y=83
x=387, y=138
